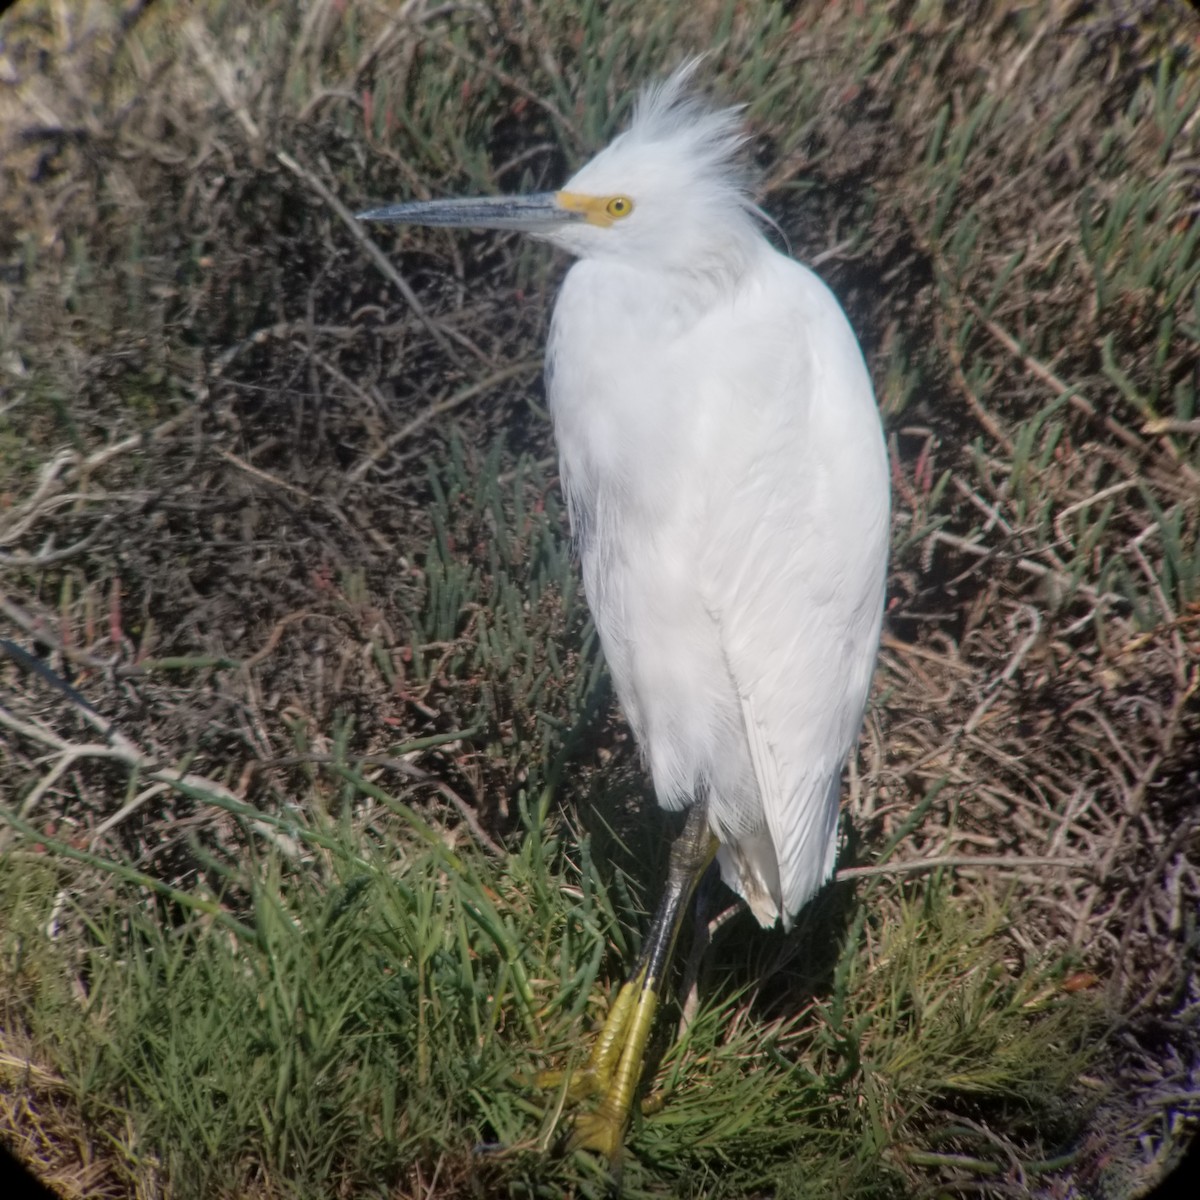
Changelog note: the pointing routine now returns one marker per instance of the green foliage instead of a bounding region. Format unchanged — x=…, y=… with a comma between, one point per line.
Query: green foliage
x=377, y=1015
x=247, y=508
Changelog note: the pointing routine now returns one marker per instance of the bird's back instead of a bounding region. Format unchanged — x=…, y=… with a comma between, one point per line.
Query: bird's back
x=727, y=481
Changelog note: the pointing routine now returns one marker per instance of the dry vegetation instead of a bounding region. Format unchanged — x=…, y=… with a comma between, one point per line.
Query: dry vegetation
x=299, y=690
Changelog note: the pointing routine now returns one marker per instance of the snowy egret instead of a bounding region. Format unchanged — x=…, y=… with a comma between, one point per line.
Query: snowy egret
x=727, y=486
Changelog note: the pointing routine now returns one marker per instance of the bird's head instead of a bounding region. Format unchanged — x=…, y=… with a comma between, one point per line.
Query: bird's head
x=668, y=193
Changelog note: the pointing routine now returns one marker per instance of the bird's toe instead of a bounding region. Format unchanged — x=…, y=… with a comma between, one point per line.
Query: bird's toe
x=579, y=1084
x=602, y=1132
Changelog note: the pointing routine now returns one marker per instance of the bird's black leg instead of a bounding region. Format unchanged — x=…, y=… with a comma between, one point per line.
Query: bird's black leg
x=615, y=1066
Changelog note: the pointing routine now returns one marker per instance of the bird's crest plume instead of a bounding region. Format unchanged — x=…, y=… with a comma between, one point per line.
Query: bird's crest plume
x=680, y=169
x=671, y=114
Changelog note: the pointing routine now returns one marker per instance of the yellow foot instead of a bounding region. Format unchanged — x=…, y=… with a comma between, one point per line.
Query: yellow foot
x=594, y=1077
x=614, y=1068
x=601, y=1131
x=613, y=1071
x=579, y=1084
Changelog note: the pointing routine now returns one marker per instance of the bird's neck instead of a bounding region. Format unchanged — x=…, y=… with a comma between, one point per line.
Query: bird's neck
x=676, y=295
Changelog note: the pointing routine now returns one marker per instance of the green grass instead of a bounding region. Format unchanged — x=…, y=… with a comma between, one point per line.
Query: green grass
x=292, y=529
x=348, y=999
x=374, y=1018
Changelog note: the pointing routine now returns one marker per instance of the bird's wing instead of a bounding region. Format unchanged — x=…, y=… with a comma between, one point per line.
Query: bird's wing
x=793, y=570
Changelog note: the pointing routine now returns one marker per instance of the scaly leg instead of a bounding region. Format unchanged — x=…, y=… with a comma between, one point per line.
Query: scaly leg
x=615, y=1065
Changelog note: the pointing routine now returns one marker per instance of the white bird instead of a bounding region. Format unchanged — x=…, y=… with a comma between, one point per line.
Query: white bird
x=727, y=484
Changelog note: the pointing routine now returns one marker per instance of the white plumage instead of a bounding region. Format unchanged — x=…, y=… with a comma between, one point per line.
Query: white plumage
x=727, y=483
x=726, y=478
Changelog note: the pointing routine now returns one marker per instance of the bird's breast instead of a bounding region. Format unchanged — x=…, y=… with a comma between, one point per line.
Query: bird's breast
x=618, y=405
x=640, y=385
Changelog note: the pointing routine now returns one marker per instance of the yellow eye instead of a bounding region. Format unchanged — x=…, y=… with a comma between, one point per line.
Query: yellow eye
x=619, y=206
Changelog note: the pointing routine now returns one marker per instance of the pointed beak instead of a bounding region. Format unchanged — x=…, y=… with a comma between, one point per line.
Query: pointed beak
x=532, y=214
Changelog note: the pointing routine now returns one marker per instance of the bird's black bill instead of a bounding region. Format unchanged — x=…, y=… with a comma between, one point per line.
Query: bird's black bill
x=492, y=212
